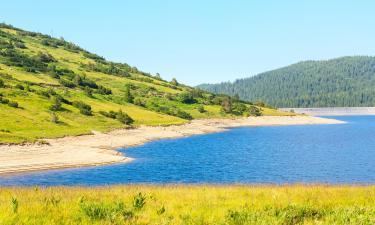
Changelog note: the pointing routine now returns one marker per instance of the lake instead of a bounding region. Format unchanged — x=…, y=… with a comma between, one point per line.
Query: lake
x=333, y=154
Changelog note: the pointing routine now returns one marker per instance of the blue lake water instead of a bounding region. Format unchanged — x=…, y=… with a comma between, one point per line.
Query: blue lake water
x=334, y=154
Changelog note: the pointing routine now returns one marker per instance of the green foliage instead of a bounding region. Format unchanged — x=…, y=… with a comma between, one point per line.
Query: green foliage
x=19, y=86
x=84, y=108
x=174, y=82
x=139, y=201
x=124, y=118
x=2, y=84
x=13, y=104
x=54, y=118
x=254, y=111
x=14, y=204
x=128, y=97
x=101, y=211
x=56, y=104
x=201, y=109
x=226, y=105
x=187, y=98
x=347, y=81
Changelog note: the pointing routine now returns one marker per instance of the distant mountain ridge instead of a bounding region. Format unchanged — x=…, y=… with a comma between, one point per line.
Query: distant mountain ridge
x=345, y=82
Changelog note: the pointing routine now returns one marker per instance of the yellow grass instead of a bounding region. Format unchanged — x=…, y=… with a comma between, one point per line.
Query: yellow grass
x=295, y=204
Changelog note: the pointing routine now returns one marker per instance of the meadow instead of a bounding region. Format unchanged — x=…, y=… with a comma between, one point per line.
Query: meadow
x=201, y=204
x=41, y=78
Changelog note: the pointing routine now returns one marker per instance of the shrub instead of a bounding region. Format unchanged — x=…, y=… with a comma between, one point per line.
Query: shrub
x=2, y=84
x=84, y=108
x=56, y=104
x=101, y=211
x=139, y=102
x=45, y=57
x=139, y=201
x=19, y=86
x=88, y=91
x=103, y=90
x=4, y=100
x=174, y=82
x=67, y=83
x=226, y=105
x=201, y=109
x=254, y=111
x=111, y=114
x=124, y=118
x=14, y=205
x=187, y=98
x=13, y=104
x=128, y=97
x=183, y=115
x=54, y=118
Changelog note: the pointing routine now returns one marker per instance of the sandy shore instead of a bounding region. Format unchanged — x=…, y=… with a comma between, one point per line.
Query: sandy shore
x=100, y=148
x=334, y=111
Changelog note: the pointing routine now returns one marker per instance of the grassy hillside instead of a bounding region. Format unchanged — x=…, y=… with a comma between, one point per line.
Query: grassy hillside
x=51, y=88
x=232, y=205
x=347, y=81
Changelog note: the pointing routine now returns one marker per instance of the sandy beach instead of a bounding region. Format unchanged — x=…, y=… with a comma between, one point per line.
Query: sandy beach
x=100, y=148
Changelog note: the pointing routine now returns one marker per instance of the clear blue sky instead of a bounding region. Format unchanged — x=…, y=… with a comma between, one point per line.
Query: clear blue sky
x=200, y=41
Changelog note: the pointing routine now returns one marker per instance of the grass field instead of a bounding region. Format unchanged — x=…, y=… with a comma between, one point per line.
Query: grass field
x=35, y=69
x=284, y=205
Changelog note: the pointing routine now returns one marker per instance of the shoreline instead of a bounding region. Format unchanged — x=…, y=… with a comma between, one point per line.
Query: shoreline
x=101, y=148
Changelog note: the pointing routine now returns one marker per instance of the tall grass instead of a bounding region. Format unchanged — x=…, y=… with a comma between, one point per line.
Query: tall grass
x=237, y=205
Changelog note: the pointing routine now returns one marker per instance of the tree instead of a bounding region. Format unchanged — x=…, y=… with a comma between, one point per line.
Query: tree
x=226, y=105
x=128, y=97
x=174, y=82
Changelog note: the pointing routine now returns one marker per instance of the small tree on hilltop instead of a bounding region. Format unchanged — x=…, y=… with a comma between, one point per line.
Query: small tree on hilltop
x=174, y=82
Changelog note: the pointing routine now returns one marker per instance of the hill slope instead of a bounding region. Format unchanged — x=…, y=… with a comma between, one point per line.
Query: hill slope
x=347, y=81
x=51, y=88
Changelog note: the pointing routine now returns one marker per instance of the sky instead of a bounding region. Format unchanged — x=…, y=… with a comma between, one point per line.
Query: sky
x=208, y=41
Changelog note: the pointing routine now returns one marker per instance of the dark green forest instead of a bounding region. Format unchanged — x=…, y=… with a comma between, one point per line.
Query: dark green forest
x=346, y=81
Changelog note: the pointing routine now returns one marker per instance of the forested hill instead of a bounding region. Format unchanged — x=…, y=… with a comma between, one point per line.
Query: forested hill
x=346, y=81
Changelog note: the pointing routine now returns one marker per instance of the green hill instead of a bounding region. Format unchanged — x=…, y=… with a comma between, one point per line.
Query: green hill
x=347, y=81
x=51, y=88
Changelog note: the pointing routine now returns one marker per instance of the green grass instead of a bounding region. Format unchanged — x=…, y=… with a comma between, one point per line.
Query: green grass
x=33, y=119
x=233, y=205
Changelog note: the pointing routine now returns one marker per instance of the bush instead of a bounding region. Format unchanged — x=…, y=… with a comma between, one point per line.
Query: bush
x=2, y=84
x=124, y=118
x=56, y=104
x=128, y=97
x=201, y=109
x=13, y=104
x=54, y=118
x=111, y=114
x=19, y=86
x=139, y=102
x=183, y=115
x=45, y=57
x=226, y=105
x=84, y=108
x=3, y=100
x=187, y=98
x=139, y=201
x=254, y=111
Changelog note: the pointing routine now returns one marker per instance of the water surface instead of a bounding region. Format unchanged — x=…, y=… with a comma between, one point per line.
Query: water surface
x=334, y=154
